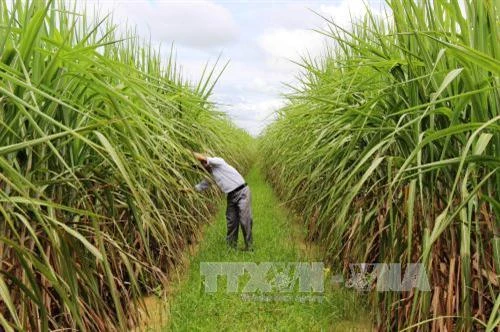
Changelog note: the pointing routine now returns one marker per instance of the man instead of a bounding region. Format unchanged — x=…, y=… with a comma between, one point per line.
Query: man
x=238, y=210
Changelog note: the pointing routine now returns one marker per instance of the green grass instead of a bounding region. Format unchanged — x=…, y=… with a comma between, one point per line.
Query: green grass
x=276, y=240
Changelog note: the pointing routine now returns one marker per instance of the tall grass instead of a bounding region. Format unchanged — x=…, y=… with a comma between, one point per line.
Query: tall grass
x=390, y=151
x=95, y=133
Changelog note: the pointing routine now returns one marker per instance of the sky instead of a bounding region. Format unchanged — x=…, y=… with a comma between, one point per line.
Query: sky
x=260, y=39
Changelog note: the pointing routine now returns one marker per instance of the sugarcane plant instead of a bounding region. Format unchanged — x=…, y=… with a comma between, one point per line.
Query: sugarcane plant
x=96, y=134
x=389, y=149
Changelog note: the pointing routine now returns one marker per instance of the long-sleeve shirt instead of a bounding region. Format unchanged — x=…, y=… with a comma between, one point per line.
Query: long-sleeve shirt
x=226, y=176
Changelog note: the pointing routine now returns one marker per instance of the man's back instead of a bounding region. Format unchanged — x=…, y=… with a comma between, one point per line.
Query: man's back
x=225, y=175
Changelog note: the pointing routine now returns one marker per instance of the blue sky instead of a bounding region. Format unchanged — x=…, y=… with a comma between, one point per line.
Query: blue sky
x=259, y=38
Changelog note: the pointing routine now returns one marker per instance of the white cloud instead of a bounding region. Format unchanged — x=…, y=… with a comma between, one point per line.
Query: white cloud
x=343, y=13
x=283, y=44
x=200, y=24
x=291, y=43
x=290, y=15
x=261, y=85
x=254, y=116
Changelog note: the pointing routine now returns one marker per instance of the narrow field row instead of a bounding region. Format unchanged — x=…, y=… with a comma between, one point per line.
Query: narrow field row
x=276, y=241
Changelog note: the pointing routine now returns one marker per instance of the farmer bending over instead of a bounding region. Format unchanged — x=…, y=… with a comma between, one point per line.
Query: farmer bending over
x=238, y=210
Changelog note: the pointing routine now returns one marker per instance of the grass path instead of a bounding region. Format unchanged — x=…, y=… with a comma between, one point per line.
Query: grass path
x=192, y=309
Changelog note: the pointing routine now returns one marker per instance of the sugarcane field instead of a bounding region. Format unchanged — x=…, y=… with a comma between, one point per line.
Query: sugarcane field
x=235, y=165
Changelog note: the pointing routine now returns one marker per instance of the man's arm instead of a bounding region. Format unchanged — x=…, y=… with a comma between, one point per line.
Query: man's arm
x=211, y=161
x=215, y=161
x=203, y=185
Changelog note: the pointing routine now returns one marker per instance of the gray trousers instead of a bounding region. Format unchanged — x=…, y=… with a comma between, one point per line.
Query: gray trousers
x=239, y=212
